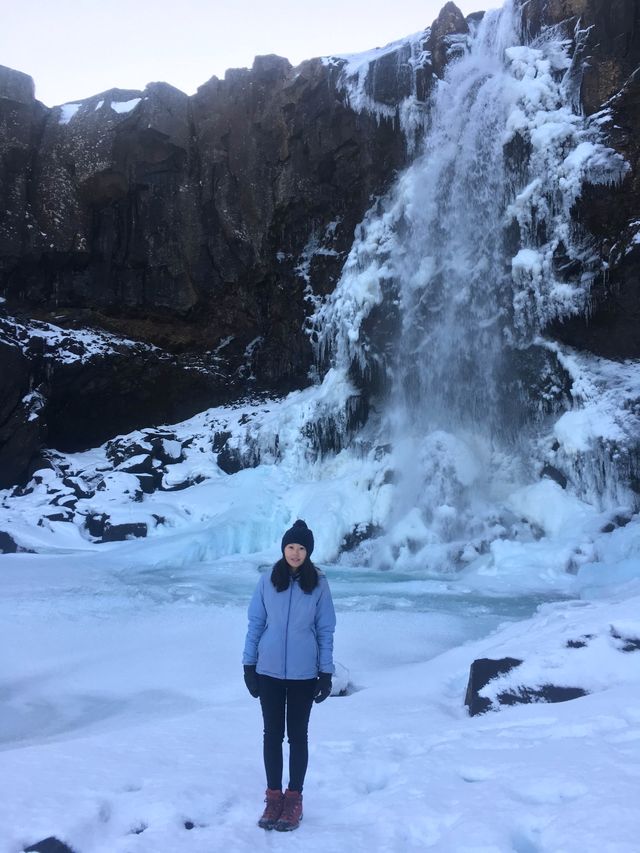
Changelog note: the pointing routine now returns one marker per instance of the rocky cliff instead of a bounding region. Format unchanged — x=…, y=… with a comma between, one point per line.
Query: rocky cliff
x=607, y=75
x=202, y=228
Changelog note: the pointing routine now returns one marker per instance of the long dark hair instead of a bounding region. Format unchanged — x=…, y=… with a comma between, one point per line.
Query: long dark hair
x=281, y=575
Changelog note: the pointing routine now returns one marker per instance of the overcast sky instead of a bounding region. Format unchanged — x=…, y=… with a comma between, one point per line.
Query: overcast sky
x=77, y=48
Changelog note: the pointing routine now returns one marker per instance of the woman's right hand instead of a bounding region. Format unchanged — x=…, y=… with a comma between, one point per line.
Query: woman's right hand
x=251, y=680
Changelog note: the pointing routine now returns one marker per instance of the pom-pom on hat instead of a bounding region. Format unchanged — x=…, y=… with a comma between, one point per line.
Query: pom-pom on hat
x=299, y=534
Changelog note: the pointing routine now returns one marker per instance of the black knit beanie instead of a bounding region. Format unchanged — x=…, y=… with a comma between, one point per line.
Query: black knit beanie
x=299, y=534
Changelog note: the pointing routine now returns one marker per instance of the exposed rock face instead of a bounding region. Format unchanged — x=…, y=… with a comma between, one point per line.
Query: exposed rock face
x=444, y=39
x=184, y=221
x=608, y=35
x=21, y=122
x=73, y=391
x=608, y=38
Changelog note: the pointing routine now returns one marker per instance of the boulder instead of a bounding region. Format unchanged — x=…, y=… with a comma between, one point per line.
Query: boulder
x=120, y=532
x=553, y=473
x=49, y=845
x=626, y=643
x=95, y=523
x=485, y=670
x=7, y=543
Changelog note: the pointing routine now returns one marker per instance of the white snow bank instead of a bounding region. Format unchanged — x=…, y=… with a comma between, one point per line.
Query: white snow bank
x=124, y=716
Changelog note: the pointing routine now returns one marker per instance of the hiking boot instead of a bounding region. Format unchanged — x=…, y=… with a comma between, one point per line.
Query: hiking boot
x=291, y=811
x=272, y=810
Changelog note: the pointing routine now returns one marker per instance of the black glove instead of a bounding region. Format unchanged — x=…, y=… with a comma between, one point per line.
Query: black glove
x=251, y=680
x=323, y=687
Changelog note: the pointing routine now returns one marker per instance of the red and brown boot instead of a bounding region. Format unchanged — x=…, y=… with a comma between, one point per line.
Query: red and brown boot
x=273, y=809
x=291, y=811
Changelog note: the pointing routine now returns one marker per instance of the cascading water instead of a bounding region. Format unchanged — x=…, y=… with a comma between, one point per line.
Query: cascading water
x=452, y=280
x=466, y=261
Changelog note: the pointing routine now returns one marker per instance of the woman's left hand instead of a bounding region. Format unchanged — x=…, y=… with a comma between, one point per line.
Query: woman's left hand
x=323, y=687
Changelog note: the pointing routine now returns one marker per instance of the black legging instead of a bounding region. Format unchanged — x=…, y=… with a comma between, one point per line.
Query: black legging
x=297, y=697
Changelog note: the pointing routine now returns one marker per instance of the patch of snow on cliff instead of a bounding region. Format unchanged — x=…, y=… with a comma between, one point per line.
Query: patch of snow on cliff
x=67, y=345
x=33, y=402
x=125, y=106
x=67, y=112
x=318, y=245
x=354, y=80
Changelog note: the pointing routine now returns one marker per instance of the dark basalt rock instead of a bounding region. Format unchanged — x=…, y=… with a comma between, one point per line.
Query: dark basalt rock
x=391, y=77
x=626, y=644
x=160, y=451
x=120, y=532
x=104, y=390
x=149, y=482
x=579, y=643
x=231, y=460
x=181, y=221
x=95, y=524
x=546, y=693
x=185, y=484
x=79, y=488
x=143, y=464
x=21, y=424
x=7, y=543
x=49, y=845
x=484, y=670
x=55, y=516
x=553, y=473
x=449, y=23
x=618, y=521
x=609, y=41
x=358, y=535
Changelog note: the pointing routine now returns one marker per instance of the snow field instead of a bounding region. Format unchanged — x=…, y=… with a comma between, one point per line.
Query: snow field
x=124, y=715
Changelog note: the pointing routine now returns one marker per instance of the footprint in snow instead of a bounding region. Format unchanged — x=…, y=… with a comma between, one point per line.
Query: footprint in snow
x=550, y=791
x=476, y=774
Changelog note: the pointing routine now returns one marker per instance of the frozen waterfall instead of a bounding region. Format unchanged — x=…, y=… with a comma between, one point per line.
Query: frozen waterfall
x=451, y=282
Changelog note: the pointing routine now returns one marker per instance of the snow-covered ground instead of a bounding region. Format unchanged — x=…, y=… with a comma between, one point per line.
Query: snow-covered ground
x=124, y=718
x=124, y=714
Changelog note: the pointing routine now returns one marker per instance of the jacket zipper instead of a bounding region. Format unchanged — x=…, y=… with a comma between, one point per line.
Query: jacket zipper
x=286, y=629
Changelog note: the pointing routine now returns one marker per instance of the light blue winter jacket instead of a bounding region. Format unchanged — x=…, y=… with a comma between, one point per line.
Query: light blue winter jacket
x=290, y=633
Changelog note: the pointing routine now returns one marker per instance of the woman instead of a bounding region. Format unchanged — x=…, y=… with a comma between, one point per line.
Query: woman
x=288, y=663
